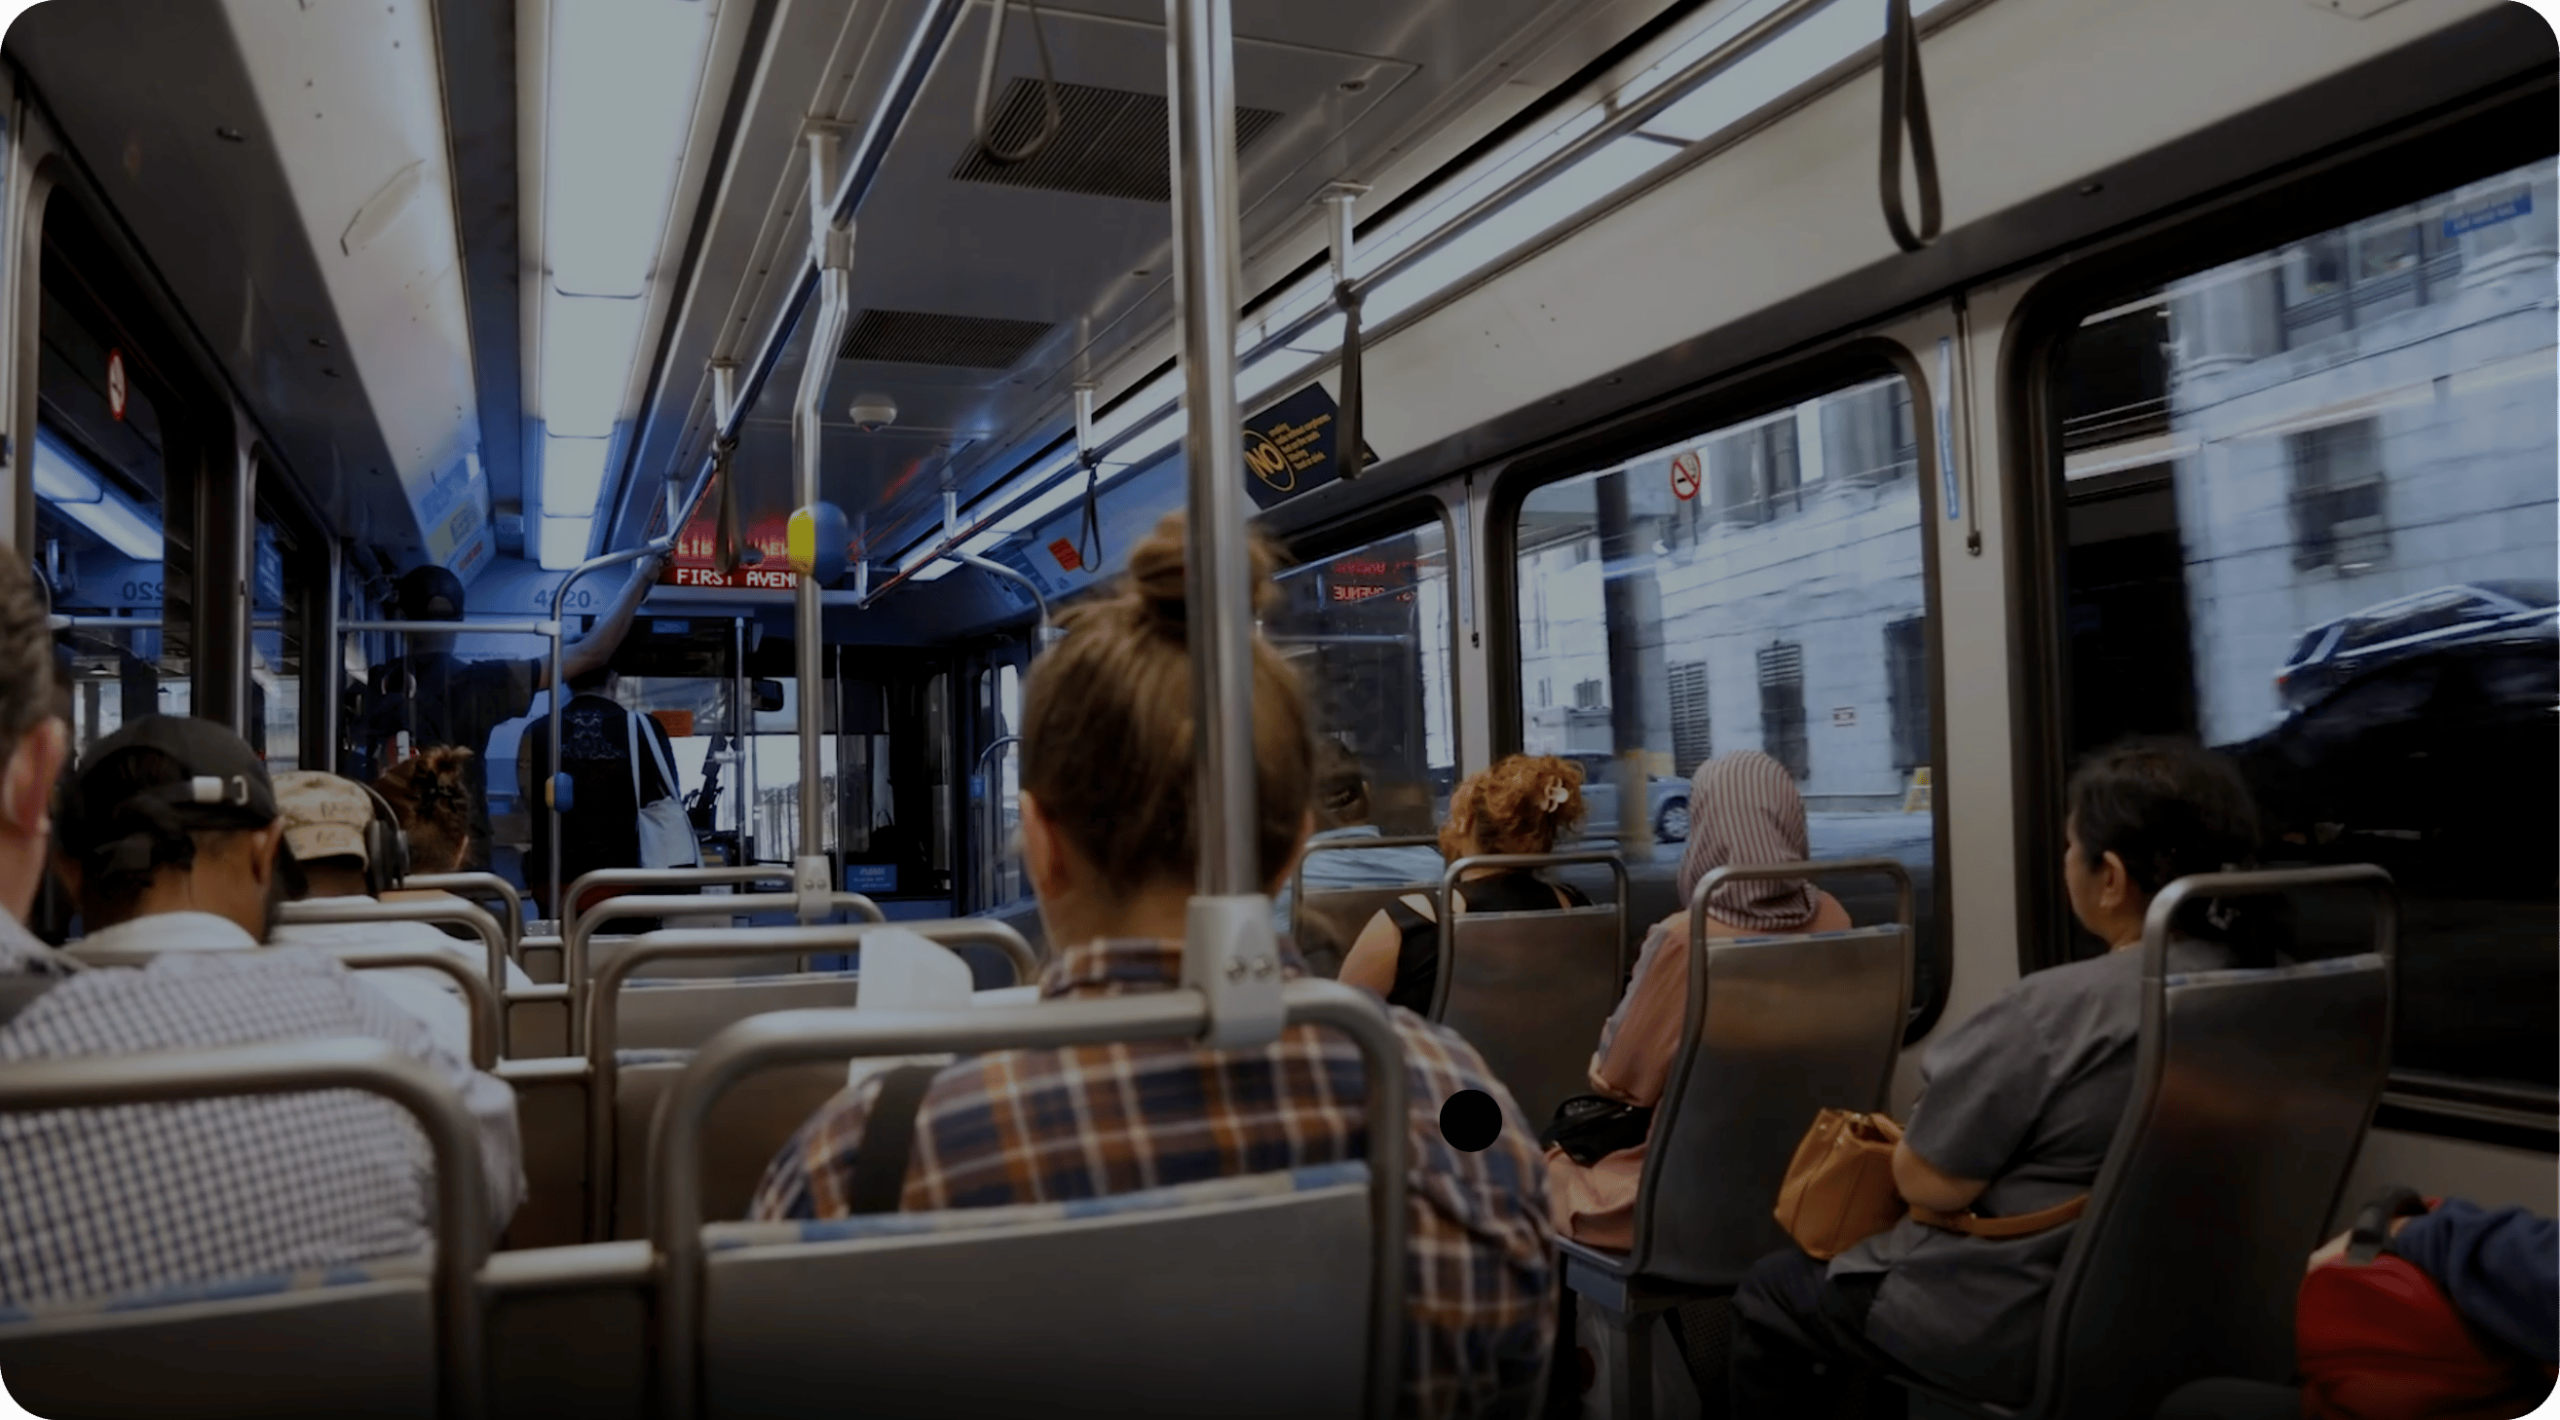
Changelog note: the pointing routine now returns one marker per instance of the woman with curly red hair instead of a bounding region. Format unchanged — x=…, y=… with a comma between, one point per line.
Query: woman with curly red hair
x=1521, y=804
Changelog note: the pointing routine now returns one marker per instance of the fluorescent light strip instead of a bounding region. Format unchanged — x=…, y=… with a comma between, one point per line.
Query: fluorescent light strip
x=625, y=75
x=75, y=490
x=573, y=475
x=562, y=542
x=587, y=347
x=61, y=475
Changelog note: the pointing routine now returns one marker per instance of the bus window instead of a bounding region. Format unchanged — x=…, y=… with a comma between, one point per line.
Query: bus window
x=279, y=593
x=1368, y=630
x=2327, y=550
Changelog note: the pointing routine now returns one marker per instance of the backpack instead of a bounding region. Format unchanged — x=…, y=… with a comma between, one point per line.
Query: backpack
x=2377, y=1339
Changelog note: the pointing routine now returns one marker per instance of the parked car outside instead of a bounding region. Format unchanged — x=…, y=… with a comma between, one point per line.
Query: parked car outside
x=1667, y=800
x=2331, y=654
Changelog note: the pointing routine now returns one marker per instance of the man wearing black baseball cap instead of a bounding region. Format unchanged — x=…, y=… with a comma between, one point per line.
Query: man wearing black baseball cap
x=435, y=699
x=170, y=839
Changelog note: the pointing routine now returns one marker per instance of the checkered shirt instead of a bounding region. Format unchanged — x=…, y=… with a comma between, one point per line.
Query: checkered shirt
x=136, y=1198
x=1036, y=1126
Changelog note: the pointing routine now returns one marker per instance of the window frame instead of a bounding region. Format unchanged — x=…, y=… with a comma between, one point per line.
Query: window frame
x=2484, y=134
x=1692, y=412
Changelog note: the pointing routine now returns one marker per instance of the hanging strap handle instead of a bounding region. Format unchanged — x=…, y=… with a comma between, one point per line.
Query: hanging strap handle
x=1906, y=103
x=1350, y=446
x=1052, y=117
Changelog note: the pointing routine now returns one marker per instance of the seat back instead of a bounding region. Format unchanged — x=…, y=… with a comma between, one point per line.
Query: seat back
x=350, y=1341
x=1791, y=1026
x=1530, y=991
x=753, y=1123
x=1253, y=1294
x=1333, y=920
x=1276, y=1295
x=568, y=1332
x=678, y=1014
x=2252, y=1094
x=400, y=1336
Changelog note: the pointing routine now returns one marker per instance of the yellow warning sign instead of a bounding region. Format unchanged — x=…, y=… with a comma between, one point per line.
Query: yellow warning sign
x=1917, y=801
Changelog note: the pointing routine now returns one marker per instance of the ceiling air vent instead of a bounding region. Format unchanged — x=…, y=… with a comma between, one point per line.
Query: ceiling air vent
x=1110, y=143
x=923, y=338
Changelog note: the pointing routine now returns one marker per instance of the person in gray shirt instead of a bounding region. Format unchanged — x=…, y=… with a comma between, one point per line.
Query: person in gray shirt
x=2018, y=1106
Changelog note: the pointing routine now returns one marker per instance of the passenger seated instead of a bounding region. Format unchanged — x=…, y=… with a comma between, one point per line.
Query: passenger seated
x=1743, y=810
x=1109, y=842
x=2018, y=1106
x=1342, y=814
x=2499, y=1269
x=115, y=1201
x=325, y=818
x=1520, y=805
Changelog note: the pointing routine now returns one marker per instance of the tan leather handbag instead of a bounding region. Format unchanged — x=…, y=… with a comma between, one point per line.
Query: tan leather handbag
x=1839, y=1191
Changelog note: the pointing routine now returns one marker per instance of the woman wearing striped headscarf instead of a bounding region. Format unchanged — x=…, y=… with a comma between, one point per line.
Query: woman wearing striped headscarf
x=1743, y=810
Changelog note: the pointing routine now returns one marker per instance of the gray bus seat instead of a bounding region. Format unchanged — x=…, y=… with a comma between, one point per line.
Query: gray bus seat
x=568, y=1331
x=2252, y=1093
x=349, y=1340
x=1273, y=1296
x=551, y=1119
x=678, y=1015
x=1777, y=1029
x=387, y=1336
x=1330, y=921
x=893, y=1308
x=1530, y=991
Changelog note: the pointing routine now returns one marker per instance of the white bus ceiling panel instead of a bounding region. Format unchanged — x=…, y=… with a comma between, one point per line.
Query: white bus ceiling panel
x=351, y=101
x=1340, y=86
x=158, y=104
x=2026, y=96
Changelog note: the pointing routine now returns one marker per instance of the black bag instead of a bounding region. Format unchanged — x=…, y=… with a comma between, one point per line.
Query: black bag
x=1589, y=1128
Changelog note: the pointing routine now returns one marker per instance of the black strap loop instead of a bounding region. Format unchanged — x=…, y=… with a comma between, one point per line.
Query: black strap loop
x=1091, y=530
x=889, y=1139
x=2373, y=1222
x=1906, y=103
x=725, y=554
x=1052, y=119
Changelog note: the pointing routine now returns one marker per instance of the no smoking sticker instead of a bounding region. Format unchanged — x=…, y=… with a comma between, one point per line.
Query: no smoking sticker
x=1685, y=478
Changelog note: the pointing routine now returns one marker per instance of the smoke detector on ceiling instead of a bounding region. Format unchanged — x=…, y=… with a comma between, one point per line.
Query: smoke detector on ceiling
x=873, y=412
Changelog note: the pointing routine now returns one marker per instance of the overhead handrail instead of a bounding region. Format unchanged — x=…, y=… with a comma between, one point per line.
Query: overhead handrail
x=300, y=1066
x=1906, y=104
x=370, y=913
x=1441, y=895
x=1298, y=876
x=796, y=1037
x=1053, y=117
x=604, y=1009
x=477, y=886
x=576, y=942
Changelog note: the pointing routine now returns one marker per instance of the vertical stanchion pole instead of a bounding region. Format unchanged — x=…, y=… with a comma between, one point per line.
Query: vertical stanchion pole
x=831, y=244
x=1231, y=956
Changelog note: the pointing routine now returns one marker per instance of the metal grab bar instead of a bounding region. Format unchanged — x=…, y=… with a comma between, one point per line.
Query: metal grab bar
x=797, y=1037
x=677, y=877
x=481, y=997
x=299, y=1066
x=458, y=628
x=581, y=934
x=990, y=817
x=1448, y=885
x=468, y=914
x=604, y=1005
x=477, y=887
x=1298, y=876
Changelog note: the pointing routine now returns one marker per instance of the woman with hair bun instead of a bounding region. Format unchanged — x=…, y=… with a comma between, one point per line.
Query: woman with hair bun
x=1521, y=804
x=430, y=793
x=1109, y=840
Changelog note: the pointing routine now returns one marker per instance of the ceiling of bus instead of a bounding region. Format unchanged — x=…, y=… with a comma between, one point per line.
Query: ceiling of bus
x=1004, y=293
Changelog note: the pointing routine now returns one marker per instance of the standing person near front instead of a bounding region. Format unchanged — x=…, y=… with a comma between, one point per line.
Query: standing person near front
x=436, y=698
x=1109, y=840
x=1521, y=804
x=2018, y=1107
x=619, y=761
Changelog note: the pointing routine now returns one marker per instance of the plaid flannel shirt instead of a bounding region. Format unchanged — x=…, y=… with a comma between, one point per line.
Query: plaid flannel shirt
x=1037, y=1126
x=137, y=1198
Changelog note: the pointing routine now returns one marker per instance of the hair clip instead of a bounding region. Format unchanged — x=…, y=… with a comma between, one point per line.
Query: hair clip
x=1556, y=795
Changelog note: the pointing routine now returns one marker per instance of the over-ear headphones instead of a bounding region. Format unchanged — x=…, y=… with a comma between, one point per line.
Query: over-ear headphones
x=386, y=845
